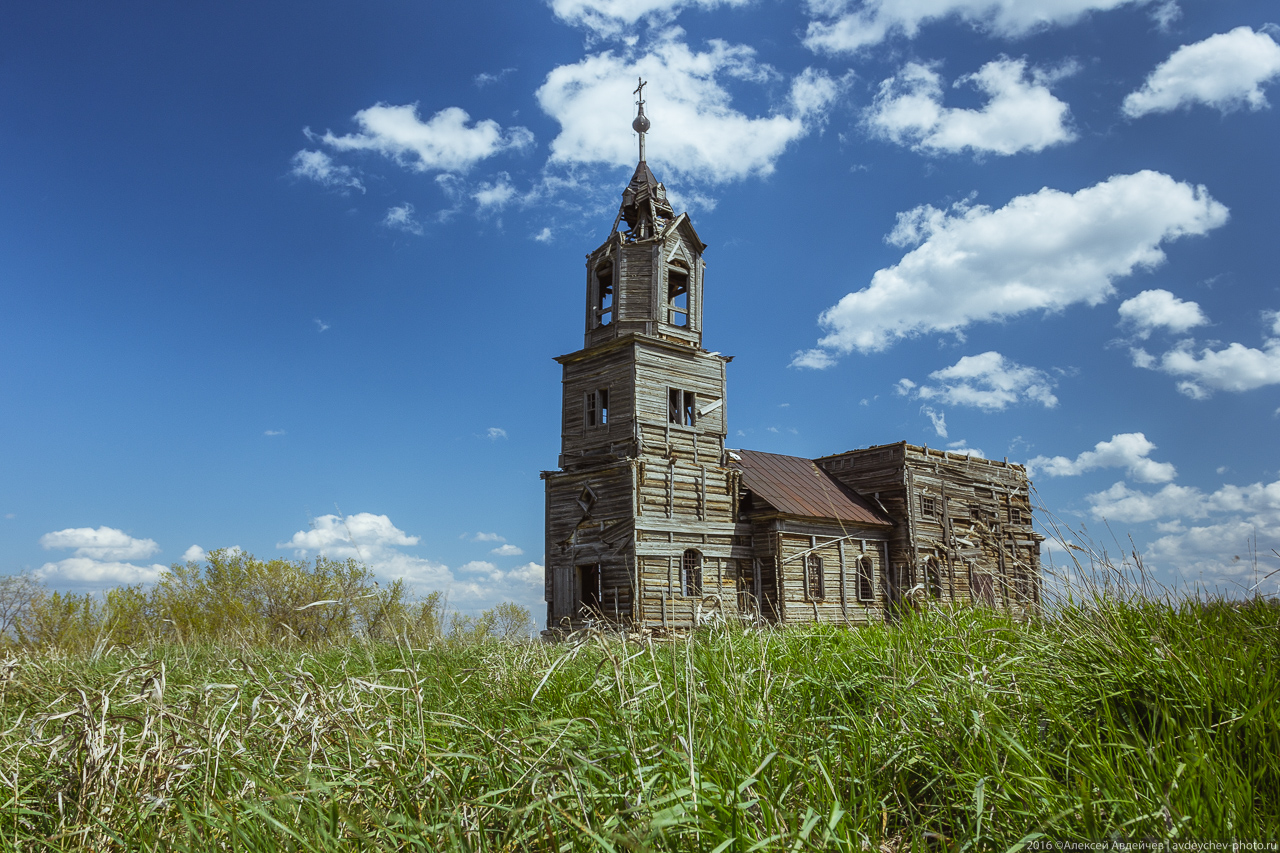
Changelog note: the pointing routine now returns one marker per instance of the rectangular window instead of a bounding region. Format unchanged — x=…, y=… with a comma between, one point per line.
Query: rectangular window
x=866, y=581
x=927, y=506
x=604, y=295
x=817, y=587
x=595, y=409
x=677, y=296
x=1015, y=515
x=691, y=573
x=682, y=407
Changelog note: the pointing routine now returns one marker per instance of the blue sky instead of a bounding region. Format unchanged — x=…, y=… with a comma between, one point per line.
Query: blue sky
x=290, y=277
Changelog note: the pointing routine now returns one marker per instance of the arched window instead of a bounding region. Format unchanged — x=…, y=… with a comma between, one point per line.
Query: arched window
x=816, y=587
x=866, y=580
x=691, y=573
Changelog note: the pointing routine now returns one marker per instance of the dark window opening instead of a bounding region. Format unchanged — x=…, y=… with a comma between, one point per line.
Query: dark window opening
x=927, y=506
x=596, y=408
x=1015, y=515
x=866, y=580
x=587, y=499
x=817, y=589
x=677, y=296
x=691, y=573
x=589, y=590
x=682, y=407
x=933, y=578
x=604, y=294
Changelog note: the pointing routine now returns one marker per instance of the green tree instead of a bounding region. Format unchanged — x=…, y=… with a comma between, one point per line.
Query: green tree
x=68, y=622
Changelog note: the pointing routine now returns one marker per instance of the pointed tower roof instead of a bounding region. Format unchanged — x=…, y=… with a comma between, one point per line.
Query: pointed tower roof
x=644, y=208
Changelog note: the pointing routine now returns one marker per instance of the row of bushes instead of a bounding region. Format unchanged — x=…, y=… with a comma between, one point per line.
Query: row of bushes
x=234, y=597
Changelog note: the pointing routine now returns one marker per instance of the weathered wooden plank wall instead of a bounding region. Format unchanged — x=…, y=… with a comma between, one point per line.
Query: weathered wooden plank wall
x=969, y=516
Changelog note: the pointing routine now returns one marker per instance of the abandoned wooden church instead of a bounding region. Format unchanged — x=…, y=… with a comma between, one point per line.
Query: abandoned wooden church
x=652, y=522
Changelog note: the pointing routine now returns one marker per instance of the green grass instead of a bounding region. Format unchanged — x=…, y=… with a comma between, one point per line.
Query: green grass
x=960, y=730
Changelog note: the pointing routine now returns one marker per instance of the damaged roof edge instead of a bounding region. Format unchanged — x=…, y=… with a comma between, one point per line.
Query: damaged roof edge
x=797, y=486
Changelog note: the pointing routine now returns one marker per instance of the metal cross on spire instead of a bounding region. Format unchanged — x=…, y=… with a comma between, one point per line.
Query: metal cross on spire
x=641, y=123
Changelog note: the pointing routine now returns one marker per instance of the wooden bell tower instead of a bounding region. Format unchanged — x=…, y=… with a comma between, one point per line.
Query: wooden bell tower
x=642, y=477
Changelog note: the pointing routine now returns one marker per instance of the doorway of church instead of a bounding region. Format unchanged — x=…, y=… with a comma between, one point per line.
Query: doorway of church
x=589, y=592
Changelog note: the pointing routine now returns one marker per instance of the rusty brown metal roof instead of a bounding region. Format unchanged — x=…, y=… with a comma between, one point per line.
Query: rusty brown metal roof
x=796, y=486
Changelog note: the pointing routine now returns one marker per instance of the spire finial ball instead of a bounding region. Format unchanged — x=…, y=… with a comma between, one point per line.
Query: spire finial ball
x=641, y=124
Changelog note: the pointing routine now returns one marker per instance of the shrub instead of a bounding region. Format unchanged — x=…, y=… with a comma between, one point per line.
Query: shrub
x=235, y=598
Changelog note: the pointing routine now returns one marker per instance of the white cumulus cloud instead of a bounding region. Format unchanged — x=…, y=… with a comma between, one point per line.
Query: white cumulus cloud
x=194, y=554
x=1122, y=503
x=99, y=557
x=507, y=551
x=319, y=167
x=1218, y=554
x=482, y=584
x=1157, y=309
x=1235, y=367
x=84, y=570
x=1040, y=252
x=697, y=132
x=447, y=142
x=987, y=381
x=1128, y=450
x=846, y=26
x=338, y=536
x=1207, y=537
x=1020, y=114
x=103, y=543
x=1225, y=71
x=374, y=541
x=378, y=543
x=612, y=17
